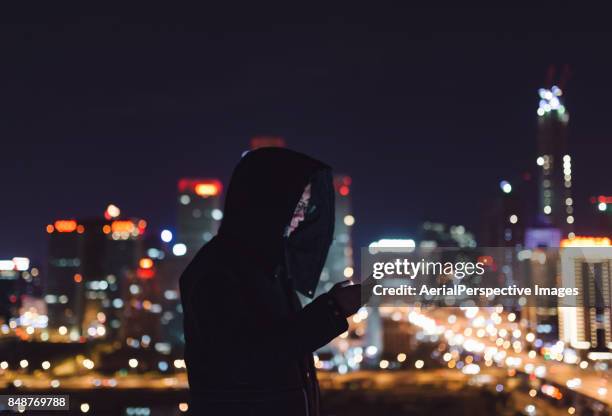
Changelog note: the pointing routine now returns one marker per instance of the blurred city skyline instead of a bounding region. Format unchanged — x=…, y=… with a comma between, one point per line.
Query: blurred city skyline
x=120, y=134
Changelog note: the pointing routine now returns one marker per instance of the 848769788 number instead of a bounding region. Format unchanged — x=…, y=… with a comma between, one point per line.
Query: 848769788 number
x=35, y=402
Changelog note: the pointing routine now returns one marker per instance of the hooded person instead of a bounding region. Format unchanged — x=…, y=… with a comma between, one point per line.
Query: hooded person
x=248, y=341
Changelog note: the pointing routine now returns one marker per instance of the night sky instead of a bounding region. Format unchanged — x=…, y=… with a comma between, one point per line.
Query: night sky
x=111, y=109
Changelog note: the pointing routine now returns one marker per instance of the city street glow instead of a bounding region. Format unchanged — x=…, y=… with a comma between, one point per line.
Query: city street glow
x=88, y=364
x=471, y=369
x=574, y=383
x=133, y=362
x=599, y=355
x=166, y=236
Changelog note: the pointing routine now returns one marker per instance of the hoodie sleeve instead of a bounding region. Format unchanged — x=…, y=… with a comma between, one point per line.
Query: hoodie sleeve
x=232, y=313
x=319, y=322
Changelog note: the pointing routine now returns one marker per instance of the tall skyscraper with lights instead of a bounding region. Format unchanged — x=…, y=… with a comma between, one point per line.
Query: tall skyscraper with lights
x=90, y=262
x=339, y=265
x=64, y=292
x=586, y=264
x=199, y=212
x=556, y=206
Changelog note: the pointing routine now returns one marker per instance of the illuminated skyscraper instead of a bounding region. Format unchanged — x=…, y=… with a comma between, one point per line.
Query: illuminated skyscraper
x=339, y=265
x=64, y=289
x=199, y=213
x=586, y=264
x=555, y=174
x=142, y=311
x=14, y=274
x=89, y=264
x=169, y=270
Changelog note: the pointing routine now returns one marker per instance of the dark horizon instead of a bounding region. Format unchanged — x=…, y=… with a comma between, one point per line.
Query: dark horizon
x=426, y=124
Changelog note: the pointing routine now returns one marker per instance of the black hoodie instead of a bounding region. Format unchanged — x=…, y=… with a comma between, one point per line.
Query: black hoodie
x=249, y=343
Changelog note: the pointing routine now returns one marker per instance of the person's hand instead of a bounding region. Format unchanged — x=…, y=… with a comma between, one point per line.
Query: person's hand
x=347, y=297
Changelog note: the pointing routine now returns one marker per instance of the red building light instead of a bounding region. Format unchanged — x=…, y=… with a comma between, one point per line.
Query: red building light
x=267, y=141
x=145, y=273
x=65, y=226
x=342, y=184
x=202, y=187
x=604, y=199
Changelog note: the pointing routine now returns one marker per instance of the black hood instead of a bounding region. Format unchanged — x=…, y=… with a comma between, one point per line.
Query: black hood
x=263, y=193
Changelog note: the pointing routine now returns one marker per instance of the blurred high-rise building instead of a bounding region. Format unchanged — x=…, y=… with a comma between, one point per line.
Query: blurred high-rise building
x=16, y=275
x=171, y=319
x=199, y=216
x=64, y=289
x=435, y=234
x=586, y=264
x=90, y=262
x=199, y=213
x=507, y=216
x=556, y=206
x=339, y=265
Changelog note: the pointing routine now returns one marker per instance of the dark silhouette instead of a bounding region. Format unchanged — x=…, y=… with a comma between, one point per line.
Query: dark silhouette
x=249, y=342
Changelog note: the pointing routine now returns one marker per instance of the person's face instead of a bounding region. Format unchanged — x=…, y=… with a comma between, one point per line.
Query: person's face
x=300, y=211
